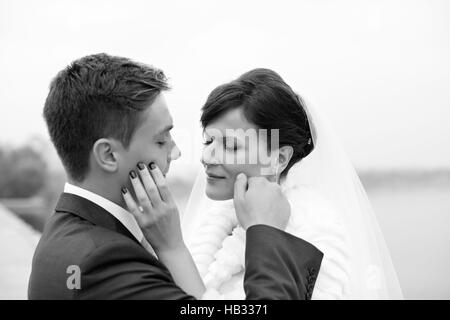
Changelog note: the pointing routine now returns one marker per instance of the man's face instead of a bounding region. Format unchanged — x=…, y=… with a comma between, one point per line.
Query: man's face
x=152, y=141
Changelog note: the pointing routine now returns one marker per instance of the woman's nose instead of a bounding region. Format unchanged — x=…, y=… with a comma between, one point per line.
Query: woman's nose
x=175, y=153
x=209, y=155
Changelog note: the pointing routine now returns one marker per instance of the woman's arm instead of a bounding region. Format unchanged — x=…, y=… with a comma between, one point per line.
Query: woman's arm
x=184, y=272
x=159, y=219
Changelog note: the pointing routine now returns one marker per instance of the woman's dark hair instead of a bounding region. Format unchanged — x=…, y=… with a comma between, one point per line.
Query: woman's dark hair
x=269, y=103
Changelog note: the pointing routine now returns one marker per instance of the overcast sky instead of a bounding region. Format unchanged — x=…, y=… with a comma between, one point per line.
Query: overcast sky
x=379, y=70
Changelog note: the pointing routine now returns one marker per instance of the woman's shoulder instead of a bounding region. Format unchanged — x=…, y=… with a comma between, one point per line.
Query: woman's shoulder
x=309, y=206
x=314, y=219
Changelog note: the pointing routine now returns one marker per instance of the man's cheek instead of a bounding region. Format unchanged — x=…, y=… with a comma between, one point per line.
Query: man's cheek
x=166, y=169
x=161, y=162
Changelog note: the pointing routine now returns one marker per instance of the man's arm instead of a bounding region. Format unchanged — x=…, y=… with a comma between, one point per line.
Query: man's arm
x=120, y=271
x=278, y=265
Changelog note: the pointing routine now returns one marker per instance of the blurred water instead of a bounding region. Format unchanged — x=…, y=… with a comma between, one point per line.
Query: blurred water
x=416, y=224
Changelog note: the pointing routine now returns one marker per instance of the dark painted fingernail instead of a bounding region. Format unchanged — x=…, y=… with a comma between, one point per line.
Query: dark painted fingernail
x=152, y=165
x=133, y=174
x=124, y=190
x=141, y=166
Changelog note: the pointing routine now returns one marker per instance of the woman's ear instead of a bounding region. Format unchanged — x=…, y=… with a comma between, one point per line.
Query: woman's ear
x=104, y=151
x=284, y=156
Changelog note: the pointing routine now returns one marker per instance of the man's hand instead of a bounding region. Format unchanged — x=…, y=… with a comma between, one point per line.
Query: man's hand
x=155, y=210
x=261, y=203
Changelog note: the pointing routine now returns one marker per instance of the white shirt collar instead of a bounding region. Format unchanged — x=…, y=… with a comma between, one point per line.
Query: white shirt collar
x=125, y=217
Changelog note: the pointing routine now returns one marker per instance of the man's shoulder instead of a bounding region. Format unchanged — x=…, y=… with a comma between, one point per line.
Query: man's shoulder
x=71, y=237
x=69, y=242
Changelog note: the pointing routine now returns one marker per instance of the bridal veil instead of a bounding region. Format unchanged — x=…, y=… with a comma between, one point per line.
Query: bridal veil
x=328, y=170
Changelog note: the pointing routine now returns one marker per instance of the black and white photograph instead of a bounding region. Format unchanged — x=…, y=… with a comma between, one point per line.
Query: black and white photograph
x=225, y=150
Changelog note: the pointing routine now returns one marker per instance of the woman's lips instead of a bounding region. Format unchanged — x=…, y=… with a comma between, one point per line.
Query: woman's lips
x=214, y=176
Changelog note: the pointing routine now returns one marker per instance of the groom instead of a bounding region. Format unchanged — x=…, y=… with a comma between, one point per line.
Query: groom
x=104, y=115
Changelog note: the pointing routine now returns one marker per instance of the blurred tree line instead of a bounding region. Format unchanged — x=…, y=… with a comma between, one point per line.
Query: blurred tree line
x=23, y=172
x=30, y=180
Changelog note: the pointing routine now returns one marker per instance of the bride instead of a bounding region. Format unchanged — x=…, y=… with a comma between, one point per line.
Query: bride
x=329, y=207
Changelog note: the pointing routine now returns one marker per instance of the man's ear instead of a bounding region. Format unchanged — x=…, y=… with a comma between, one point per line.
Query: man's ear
x=105, y=154
x=284, y=156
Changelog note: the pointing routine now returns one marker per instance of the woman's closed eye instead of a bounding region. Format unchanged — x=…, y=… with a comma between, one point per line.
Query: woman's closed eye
x=230, y=144
x=231, y=147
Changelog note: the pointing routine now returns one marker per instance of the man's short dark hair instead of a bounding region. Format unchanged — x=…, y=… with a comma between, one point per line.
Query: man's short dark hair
x=98, y=96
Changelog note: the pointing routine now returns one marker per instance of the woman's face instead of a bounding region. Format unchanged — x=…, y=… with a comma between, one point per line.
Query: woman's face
x=227, y=152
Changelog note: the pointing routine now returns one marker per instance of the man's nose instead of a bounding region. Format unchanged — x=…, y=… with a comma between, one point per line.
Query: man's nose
x=175, y=153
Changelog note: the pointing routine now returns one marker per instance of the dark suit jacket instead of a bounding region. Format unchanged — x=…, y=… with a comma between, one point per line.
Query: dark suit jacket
x=114, y=265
